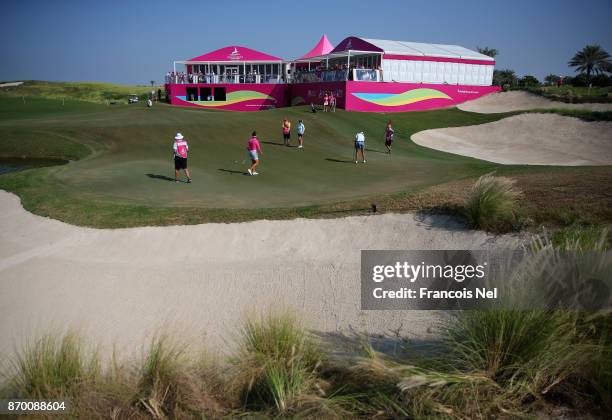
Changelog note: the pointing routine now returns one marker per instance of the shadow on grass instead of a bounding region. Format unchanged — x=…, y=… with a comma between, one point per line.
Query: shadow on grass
x=233, y=171
x=340, y=160
x=276, y=144
x=162, y=177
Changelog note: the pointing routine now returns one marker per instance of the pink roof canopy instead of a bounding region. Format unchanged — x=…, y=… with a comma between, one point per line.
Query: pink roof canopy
x=323, y=47
x=235, y=53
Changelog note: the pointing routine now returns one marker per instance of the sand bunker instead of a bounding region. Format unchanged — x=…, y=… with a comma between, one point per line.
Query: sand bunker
x=519, y=100
x=531, y=139
x=120, y=286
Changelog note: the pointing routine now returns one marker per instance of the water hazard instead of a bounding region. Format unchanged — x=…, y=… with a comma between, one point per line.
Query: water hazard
x=8, y=165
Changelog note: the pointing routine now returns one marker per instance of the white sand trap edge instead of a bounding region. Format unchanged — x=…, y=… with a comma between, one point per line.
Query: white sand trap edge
x=120, y=286
x=520, y=100
x=529, y=139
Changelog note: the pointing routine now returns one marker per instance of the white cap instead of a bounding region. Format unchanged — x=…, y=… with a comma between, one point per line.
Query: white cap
x=178, y=136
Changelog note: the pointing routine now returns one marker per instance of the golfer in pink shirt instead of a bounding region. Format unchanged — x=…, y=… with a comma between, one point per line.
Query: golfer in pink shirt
x=254, y=149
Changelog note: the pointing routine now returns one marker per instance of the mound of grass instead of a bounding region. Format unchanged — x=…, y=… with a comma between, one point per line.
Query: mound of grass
x=53, y=366
x=491, y=204
x=167, y=384
x=511, y=345
x=277, y=362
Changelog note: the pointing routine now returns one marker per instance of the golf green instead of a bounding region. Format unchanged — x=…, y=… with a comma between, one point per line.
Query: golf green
x=122, y=158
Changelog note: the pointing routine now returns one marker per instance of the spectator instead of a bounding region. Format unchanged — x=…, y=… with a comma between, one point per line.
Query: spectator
x=301, y=129
x=360, y=146
x=389, y=136
x=286, y=131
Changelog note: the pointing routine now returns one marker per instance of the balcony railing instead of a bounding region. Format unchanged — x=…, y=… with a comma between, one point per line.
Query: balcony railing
x=183, y=78
x=341, y=75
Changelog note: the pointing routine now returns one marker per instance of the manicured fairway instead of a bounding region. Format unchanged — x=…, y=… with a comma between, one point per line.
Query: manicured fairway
x=125, y=163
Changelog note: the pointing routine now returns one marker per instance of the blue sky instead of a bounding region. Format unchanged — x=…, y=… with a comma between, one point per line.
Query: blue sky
x=133, y=42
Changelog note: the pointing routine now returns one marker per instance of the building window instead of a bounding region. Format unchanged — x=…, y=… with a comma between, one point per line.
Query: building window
x=219, y=94
x=206, y=94
x=192, y=93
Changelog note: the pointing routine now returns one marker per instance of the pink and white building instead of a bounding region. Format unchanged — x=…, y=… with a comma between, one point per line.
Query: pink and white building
x=368, y=75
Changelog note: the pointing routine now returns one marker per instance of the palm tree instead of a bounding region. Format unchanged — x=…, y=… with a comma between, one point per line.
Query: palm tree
x=152, y=82
x=491, y=52
x=591, y=59
x=551, y=79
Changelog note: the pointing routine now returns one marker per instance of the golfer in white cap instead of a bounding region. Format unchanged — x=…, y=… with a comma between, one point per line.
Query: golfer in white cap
x=181, y=149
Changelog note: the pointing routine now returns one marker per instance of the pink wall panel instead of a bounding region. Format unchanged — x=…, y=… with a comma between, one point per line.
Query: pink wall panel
x=239, y=97
x=352, y=96
x=400, y=97
x=307, y=93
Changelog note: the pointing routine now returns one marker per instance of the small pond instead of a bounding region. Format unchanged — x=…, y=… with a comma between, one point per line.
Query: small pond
x=8, y=165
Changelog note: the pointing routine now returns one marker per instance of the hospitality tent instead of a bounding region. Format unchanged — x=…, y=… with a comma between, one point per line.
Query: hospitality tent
x=316, y=54
x=414, y=62
x=323, y=47
x=237, y=61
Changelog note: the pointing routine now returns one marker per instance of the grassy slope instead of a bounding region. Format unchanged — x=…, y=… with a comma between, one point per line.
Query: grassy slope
x=95, y=92
x=125, y=158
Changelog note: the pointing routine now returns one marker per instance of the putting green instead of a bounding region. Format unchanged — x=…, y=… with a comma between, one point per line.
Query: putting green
x=126, y=157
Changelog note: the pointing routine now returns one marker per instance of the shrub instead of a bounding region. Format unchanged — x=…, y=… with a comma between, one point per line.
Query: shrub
x=277, y=362
x=529, y=81
x=491, y=204
x=162, y=375
x=539, y=352
x=54, y=366
x=504, y=77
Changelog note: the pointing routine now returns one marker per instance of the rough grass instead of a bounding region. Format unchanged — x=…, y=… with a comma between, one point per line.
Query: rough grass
x=493, y=364
x=583, y=237
x=52, y=366
x=578, y=113
x=277, y=363
x=95, y=92
x=572, y=94
x=491, y=204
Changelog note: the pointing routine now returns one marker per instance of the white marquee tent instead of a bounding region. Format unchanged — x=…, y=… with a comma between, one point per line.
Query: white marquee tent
x=416, y=62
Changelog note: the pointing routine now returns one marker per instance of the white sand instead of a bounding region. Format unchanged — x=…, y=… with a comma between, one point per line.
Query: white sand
x=120, y=286
x=519, y=100
x=532, y=139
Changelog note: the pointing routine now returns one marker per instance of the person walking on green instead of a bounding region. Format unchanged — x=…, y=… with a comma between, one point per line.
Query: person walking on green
x=181, y=149
x=254, y=149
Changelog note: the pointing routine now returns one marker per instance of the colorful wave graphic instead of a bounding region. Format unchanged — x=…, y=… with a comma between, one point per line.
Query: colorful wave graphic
x=233, y=98
x=405, y=98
